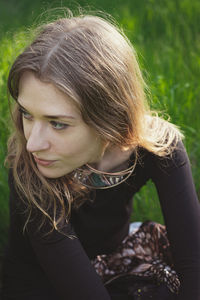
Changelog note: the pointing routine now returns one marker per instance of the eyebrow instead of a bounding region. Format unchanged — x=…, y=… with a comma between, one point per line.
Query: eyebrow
x=55, y=117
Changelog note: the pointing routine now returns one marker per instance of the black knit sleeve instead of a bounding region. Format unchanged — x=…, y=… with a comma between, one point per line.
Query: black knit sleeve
x=68, y=268
x=63, y=260
x=181, y=210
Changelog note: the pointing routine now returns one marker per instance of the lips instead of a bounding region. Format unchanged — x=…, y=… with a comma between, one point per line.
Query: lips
x=43, y=162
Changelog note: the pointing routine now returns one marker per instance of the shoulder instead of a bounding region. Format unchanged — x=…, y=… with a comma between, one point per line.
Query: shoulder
x=160, y=136
x=176, y=158
x=166, y=164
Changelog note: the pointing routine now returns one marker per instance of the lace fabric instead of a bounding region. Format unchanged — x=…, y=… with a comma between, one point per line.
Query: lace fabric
x=142, y=260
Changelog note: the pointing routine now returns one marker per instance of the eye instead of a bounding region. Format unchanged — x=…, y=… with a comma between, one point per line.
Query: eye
x=58, y=125
x=25, y=114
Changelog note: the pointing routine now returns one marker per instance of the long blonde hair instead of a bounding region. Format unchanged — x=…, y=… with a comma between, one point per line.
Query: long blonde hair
x=92, y=61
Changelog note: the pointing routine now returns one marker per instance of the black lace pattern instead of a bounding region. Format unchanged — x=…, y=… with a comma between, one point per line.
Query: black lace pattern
x=141, y=264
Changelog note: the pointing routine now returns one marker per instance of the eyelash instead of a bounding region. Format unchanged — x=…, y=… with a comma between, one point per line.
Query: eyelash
x=53, y=123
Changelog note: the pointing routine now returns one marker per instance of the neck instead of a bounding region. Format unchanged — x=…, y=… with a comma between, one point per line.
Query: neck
x=114, y=159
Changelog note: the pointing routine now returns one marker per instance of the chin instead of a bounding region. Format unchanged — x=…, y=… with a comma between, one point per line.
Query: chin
x=50, y=173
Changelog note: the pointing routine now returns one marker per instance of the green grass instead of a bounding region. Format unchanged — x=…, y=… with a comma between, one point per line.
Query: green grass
x=166, y=36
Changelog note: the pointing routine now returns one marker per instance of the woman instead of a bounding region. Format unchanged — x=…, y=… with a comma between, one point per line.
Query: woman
x=85, y=142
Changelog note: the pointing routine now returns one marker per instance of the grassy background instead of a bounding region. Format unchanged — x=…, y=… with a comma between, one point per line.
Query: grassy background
x=166, y=35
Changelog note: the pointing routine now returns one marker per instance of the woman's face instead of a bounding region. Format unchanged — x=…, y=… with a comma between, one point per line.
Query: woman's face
x=55, y=132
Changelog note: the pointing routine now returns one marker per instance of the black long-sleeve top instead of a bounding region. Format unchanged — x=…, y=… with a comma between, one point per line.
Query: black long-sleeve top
x=56, y=267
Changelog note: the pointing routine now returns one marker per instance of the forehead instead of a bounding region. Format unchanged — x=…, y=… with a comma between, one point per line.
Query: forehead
x=43, y=97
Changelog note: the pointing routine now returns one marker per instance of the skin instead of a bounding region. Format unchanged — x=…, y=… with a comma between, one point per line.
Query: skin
x=66, y=141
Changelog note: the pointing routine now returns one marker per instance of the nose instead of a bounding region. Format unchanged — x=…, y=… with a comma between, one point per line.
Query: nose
x=37, y=139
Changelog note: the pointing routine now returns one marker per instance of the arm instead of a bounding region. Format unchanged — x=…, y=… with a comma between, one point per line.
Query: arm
x=68, y=268
x=64, y=261
x=181, y=210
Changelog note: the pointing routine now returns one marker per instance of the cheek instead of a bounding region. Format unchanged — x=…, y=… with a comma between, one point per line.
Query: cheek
x=70, y=146
x=75, y=146
x=76, y=143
